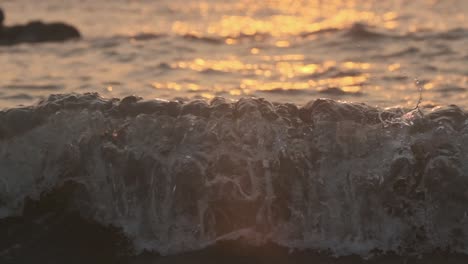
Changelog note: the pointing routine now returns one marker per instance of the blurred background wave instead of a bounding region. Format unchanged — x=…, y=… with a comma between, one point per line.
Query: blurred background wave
x=378, y=52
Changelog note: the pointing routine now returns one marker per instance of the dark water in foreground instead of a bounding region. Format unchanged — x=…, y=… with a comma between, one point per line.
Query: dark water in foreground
x=344, y=179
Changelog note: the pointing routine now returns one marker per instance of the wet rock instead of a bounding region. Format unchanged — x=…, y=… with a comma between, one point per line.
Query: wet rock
x=35, y=32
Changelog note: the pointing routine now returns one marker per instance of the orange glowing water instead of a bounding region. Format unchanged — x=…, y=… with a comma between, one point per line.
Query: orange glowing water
x=284, y=50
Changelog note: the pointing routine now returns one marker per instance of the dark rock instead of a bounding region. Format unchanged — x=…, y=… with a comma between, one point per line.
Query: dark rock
x=35, y=32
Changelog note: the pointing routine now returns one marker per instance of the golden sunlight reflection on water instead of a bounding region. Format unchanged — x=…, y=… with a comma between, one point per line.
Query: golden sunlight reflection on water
x=286, y=72
x=286, y=18
x=282, y=21
x=294, y=50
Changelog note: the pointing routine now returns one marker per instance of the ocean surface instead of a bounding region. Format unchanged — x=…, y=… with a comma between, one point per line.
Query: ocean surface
x=236, y=132
x=377, y=52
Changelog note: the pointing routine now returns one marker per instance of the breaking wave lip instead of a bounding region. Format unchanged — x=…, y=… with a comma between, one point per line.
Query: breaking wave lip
x=340, y=177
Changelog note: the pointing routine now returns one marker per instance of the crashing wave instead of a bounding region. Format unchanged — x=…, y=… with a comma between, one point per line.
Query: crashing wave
x=332, y=176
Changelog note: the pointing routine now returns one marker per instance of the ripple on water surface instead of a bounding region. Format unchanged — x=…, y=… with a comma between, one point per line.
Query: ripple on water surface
x=282, y=50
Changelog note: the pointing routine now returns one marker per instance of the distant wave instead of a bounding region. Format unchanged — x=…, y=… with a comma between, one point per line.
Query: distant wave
x=34, y=87
x=356, y=31
x=333, y=72
x=364, y=31
x=338, y=91
x=339, y=177
x=210, y=40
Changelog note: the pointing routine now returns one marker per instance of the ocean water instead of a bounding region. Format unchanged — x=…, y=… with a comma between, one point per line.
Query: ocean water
x=377, y=52
x=92, y=180
x=357, y=150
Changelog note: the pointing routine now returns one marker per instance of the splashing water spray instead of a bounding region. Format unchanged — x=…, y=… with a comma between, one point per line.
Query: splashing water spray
x=408, y=117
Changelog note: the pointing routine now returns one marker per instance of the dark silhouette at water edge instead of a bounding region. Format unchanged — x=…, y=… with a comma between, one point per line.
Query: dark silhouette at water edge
x=36, y=32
